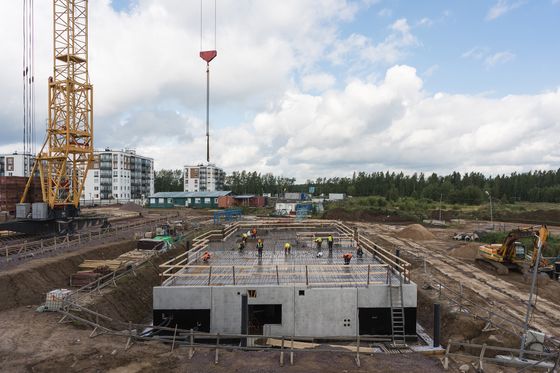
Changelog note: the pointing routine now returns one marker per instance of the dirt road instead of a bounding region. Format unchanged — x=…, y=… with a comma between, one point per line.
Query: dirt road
x=503, y=295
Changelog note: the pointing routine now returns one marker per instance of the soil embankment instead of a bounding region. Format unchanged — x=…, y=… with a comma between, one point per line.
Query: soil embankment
x=132, y=298
x=28, y=283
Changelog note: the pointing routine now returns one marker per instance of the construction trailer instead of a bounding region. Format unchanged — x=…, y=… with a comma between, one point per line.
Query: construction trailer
x=186, y=199
x=297, y=294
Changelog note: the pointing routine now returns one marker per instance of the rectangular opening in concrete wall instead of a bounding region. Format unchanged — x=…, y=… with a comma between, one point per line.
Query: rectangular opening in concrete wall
x=198, y=320
x=377, y=321
x=261, y=314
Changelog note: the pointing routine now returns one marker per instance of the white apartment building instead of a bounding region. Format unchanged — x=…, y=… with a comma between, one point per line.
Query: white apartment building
x=203, y=178
x=16, y=164
x=119, y=174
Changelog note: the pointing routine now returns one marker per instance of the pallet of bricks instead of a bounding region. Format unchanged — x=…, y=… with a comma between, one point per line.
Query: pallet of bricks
x=11, y=190
x=91, y=270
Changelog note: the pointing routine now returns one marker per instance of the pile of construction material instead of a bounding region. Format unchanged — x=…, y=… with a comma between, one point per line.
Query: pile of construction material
x=91, y=270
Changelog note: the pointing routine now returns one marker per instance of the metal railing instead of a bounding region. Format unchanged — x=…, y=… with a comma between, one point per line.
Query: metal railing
x=178, y=267
x=26, y=249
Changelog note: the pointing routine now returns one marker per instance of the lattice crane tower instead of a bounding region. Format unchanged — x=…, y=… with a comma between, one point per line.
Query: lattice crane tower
x=67, y=152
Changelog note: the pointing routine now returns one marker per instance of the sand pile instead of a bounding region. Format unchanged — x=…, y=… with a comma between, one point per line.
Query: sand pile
x=467, y=251
x=416, y=232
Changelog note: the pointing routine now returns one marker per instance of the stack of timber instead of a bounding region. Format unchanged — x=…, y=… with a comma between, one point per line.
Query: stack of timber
x=93, y=269
x=11, y=190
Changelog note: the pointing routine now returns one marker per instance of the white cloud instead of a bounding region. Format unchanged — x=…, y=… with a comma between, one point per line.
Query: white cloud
x=502, y=7
x=489, y=59
x=395, y=125
x=385, y=12
x=431, y=70
x=476, y=53
x=425, y=22
x=358, y=49
x=498, y=58
x=318, y=82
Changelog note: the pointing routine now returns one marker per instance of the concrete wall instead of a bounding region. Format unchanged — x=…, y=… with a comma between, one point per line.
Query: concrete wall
x=318, y=312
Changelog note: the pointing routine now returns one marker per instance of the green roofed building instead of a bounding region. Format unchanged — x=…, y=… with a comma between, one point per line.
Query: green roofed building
x=186, y=199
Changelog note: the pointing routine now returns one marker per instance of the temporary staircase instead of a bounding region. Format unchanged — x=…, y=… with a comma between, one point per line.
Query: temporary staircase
x=397, y=312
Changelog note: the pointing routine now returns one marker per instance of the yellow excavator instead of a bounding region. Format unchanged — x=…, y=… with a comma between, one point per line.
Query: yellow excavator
x=512, y=254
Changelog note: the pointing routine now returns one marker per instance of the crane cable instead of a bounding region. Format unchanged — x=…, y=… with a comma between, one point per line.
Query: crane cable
x=28, y=69
x=201, y=24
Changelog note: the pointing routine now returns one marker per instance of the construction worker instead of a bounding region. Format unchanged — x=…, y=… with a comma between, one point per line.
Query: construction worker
x=359, y=251
x=206, y=257
x=319, y=242
x=254, y=233
x=347, y=257
x=287, y=248
x=244, y=237
x=260, y=247
x=330, y=242
x=241, y=245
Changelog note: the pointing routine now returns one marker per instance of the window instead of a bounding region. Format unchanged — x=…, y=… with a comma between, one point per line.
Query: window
x=152, y=201
x=301, y=292
x=96, y=173
x=197, y=200
x=207, y=201
x=252, y=293
x=95, y=188
x=170, y=200
x=162, y=201
x=9, y=164
x=116, y=196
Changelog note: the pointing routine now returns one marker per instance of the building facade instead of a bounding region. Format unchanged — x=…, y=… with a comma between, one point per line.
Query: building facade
x=119, y=174
x=16, y=164
x=203, y=178
x=186, y=199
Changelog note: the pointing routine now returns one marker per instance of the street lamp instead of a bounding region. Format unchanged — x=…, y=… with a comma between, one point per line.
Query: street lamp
x=491, y=214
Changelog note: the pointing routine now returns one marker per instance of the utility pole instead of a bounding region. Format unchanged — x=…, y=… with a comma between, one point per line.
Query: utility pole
x=530, y=304
x=491, y=212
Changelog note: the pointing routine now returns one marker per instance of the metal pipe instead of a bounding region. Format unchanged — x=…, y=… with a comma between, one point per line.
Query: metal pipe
x=208, y=112
x=437, y=325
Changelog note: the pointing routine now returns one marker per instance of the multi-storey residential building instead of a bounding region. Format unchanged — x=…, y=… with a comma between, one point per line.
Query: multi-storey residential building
x=203, y=178
x=16, y=164
x=119, y=174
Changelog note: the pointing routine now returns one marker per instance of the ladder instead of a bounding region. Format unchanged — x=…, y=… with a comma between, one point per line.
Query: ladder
x=397, y=312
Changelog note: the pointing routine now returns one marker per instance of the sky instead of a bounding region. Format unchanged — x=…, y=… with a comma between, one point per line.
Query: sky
x=312, y=88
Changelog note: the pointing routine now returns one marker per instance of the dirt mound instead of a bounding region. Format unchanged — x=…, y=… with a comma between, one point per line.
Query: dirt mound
x=132, y=207
x=466, y=251
x=416, y=232
x=28, y=283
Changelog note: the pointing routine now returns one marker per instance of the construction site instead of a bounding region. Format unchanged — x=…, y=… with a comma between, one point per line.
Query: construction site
x=126, y=288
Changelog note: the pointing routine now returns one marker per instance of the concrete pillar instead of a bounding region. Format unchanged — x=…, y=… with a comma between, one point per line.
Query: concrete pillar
x=244, y=318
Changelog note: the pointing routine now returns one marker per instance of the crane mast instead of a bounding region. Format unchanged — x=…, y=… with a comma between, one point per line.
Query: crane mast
x=67, y=152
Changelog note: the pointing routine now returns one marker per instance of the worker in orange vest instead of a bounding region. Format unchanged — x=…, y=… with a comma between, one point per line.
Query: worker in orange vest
x=206, y=257
x=347, y=257
x=254, y=233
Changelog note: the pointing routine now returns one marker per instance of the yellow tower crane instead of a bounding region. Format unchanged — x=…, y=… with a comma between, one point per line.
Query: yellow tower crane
x=67, y=152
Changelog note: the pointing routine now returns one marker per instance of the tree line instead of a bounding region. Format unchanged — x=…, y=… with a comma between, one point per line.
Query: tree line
x=469, y=188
